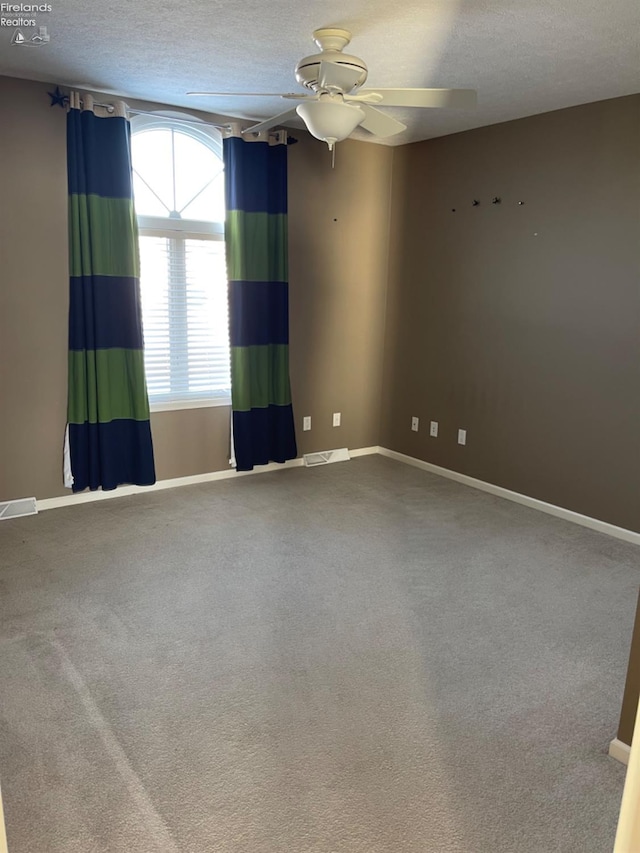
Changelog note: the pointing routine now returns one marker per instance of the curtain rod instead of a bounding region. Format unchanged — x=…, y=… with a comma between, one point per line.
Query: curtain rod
x=62, y=100
x=110, y=108
x=173, y=118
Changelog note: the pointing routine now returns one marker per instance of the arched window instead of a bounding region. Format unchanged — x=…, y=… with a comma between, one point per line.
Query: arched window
x=178, y=186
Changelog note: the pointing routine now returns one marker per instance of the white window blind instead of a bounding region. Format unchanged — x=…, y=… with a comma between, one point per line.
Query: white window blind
x=184, y=304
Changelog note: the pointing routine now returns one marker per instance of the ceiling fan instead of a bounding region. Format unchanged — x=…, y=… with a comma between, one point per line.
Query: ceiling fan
x=338, y=104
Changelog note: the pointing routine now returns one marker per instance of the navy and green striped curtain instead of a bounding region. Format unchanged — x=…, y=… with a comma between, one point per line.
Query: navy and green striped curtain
x=109, y=436
x=256, y=249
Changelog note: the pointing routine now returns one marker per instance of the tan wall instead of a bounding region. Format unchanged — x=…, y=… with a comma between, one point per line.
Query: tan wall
x=632, y=687
x=33, y=291
x=338, y=241
x=521, y=324
x=338, y=281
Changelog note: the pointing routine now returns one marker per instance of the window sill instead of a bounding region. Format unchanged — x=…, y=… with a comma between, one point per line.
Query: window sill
x=176, y=405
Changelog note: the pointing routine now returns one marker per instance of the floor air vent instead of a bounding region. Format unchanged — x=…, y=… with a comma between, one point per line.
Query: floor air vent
x=14, y=509
x=324, y=457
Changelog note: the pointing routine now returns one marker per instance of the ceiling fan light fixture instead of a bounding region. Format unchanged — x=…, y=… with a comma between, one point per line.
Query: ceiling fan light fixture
x=330, y=120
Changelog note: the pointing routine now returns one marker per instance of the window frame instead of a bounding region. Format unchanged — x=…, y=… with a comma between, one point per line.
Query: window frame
x=160, y=226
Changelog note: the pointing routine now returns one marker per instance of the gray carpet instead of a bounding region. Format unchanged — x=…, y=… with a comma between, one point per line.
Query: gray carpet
x=351, y=659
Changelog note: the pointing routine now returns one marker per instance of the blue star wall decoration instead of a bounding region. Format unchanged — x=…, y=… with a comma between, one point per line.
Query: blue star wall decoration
x=58, y=98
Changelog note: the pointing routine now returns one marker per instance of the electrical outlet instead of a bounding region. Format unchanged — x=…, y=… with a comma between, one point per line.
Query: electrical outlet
x=336, y=419
x=433, y=429
x=462, y=436
x=306, y=423
x=414, y=424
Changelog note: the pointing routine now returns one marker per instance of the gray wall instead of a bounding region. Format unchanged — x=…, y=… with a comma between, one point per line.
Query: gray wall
x=521, y=324
x=337, y=295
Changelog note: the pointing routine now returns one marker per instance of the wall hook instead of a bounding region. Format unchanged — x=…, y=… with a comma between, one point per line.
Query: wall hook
x=496, y=200
x=520, y=202
x=475, y=202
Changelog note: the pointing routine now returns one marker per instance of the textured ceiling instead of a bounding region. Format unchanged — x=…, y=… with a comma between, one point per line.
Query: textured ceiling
x=523, y=57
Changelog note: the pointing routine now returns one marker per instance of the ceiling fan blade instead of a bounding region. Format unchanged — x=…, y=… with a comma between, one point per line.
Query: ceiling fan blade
x=379, y=123
x=336, y=75
x=465, y=99
x=270, y=122
x=247, y=94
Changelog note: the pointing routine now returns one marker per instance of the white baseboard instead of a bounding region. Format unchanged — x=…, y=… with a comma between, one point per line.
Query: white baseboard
x=619, y=750
x=122, y=491
x=499, y=491
x=364, y=451
x=534, y=503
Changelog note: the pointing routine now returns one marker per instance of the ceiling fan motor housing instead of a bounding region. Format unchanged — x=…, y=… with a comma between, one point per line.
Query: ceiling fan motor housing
x=308, y=69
